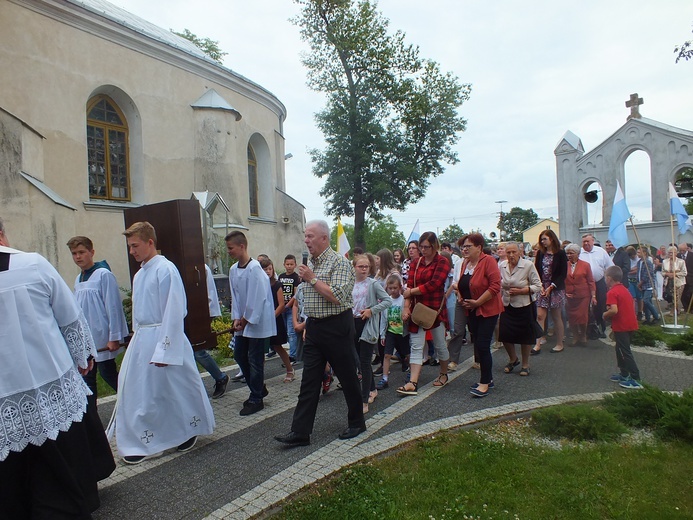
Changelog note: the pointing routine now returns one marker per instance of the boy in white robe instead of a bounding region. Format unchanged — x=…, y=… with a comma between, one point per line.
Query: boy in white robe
x=97, y=294
x=252, y=312
x=162, y=402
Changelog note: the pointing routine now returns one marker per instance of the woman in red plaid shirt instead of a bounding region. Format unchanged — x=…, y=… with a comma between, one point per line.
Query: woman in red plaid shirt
x=426, y=285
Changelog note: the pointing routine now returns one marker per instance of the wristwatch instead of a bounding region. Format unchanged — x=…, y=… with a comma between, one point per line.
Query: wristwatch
x=313, y=281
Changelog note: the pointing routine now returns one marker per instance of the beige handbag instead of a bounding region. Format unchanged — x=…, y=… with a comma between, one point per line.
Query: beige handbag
x=422, y=314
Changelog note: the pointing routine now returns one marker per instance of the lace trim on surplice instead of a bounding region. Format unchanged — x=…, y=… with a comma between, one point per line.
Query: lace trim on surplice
x=79, y=341
x=39, y=414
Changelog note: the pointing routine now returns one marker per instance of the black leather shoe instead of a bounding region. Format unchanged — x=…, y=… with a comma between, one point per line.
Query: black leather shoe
x=293, y=439
x=350, y=433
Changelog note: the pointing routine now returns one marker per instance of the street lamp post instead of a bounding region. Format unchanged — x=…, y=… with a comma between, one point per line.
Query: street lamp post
x=500, y=220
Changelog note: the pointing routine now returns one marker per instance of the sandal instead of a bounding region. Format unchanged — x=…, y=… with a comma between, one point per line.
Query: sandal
x=510, y=366
x=290, y=376
x=557, y=349
x=439, y=380
x=405, y=390
x=372, y=395
x=524, y=371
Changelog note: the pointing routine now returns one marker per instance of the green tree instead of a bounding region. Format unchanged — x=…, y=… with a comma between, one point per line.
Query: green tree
x=383, y=233
x=208, y=46
x=451, y=234
x=390, y=119
x=515, y=221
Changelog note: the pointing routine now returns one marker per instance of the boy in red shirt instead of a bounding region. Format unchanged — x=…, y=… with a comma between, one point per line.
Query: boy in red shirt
x=620, y=308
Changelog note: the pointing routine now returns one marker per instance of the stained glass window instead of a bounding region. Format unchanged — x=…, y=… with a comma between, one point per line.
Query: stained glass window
x=107, y=151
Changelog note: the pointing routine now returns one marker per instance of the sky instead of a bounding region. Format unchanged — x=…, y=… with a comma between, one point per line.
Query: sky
x=537, y=69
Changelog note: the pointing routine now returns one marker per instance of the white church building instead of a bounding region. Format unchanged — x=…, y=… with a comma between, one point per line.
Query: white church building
x=102, y=111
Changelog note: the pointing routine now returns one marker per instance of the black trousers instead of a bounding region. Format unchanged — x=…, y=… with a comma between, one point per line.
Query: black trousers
x=329, y=340
x=599, y=309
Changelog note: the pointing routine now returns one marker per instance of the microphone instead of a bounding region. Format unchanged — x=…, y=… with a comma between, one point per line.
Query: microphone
x=305, y=258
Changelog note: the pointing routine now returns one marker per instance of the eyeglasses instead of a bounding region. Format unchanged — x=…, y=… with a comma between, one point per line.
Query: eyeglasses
x=425, y=247
x=467, y=246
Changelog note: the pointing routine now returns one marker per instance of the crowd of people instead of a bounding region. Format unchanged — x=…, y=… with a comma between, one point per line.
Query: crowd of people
x=349, y=319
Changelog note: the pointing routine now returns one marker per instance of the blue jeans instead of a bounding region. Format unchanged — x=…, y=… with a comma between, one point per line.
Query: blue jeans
x=208, y=363
x=250, y=356
x=290, y=332
x=648, y=306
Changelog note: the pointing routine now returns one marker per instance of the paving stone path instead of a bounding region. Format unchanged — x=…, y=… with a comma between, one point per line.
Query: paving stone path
x=240, y=471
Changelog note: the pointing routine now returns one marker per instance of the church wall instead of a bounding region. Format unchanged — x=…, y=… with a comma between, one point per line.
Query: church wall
x=52, y=69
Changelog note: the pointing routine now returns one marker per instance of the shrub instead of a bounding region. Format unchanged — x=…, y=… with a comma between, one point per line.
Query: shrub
x=677, y=422
x=684, y=342
x=577, y=422
x=642, y=408
x=218, y=324
x=647, y=336
x=127, y=306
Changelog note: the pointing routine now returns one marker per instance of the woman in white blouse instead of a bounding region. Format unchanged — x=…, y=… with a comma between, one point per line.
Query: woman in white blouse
x=519, y=282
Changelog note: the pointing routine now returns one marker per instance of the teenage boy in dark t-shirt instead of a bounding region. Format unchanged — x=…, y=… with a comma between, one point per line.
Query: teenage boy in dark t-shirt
x=290, y=281
x=621, y=311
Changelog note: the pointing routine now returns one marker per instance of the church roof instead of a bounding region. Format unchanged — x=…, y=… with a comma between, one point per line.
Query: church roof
x=663, y=126
x=572, y=140
x=129, y=20
x=119, y=16
x=48, y=192
x=212, y=99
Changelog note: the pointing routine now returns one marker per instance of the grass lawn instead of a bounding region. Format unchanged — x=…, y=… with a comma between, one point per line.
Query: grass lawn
x=508, y=471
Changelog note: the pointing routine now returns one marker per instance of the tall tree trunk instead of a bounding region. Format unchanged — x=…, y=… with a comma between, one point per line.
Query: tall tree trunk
x=360, y=225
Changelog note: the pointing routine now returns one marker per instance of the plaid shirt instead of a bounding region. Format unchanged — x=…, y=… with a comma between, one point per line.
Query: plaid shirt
x=337, y=272
x=643, y=277
x=430, y=280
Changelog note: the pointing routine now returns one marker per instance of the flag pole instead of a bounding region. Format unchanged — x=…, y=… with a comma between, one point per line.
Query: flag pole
x=649, y=275
x=673, y=279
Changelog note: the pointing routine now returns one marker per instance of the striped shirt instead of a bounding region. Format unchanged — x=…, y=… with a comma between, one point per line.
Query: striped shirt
x=337, y=272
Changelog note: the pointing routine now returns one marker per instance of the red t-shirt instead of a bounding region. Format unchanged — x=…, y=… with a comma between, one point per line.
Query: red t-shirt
x=625, y=319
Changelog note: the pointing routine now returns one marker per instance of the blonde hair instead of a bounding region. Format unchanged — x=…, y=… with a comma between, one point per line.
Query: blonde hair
x=143, y=230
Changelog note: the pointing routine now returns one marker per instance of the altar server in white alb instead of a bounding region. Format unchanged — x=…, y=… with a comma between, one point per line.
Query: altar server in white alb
x=252, y=310
x=96, y=291
x=162, y=402
x=48, y=446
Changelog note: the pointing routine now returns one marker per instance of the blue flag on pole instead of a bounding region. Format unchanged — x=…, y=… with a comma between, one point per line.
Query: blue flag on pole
x=678, y=210
x=414, y=235
x=620, y=214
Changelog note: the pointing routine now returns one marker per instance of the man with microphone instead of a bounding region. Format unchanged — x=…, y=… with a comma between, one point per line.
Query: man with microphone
x=329, y=279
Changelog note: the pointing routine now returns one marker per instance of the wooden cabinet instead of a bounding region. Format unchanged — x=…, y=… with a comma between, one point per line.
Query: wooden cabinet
x=179, y=239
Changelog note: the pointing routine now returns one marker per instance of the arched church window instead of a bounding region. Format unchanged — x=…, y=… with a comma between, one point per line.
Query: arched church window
x=107, y=150
x=252, y=183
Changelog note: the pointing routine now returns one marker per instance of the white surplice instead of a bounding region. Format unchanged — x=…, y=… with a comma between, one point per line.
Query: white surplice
x=251, y=297
x=159, y=407
x=100, y=302
x=43, y=338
